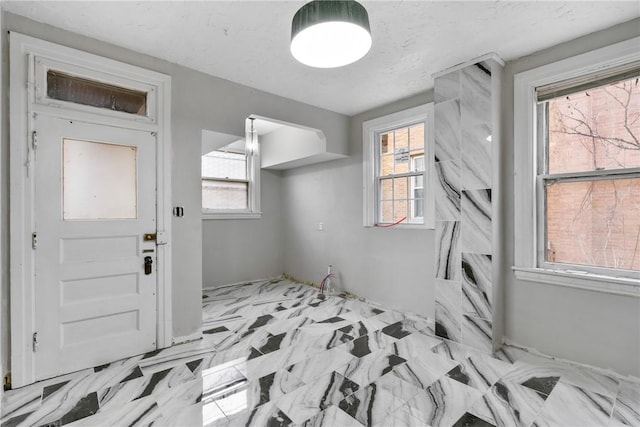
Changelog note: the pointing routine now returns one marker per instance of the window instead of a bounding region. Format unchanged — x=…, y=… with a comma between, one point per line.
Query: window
x=577, y=198
x=396, y=173
x=230, y=183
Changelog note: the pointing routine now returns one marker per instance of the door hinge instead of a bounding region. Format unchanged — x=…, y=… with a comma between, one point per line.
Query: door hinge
x=6, y=382
x=35, y=341
x=34, y=240
x=34, y=140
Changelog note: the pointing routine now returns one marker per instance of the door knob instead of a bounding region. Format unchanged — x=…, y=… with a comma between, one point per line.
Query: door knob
x=147, y=265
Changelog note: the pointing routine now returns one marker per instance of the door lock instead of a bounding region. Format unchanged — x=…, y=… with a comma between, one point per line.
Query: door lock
x=147, y=265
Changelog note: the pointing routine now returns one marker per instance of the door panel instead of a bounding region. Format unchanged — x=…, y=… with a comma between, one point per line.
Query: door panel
x=95, y=198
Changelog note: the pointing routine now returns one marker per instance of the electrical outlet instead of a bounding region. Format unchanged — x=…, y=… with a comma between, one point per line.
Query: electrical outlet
x=321, y=226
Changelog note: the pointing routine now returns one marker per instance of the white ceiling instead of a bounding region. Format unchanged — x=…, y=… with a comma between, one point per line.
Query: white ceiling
x=248, y=41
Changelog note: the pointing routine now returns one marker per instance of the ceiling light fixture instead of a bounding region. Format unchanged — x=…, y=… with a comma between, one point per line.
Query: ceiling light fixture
x=330, y=33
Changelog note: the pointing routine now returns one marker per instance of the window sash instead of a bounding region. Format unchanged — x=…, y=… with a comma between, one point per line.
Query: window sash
x=543, y=178
x=541, y=214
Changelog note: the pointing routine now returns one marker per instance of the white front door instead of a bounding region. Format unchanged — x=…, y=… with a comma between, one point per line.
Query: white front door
x=95, y=271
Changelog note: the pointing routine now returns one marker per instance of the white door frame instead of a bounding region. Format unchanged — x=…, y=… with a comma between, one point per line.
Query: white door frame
x=28, y=57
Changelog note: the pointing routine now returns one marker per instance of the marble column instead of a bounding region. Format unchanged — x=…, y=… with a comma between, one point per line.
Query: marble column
x=466, y=113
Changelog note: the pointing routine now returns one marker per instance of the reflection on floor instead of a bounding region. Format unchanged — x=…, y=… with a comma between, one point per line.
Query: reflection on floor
x=275, y=354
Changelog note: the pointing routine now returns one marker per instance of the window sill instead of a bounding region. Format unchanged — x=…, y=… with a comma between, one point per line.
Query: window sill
x=231, y=215
x=579, y=280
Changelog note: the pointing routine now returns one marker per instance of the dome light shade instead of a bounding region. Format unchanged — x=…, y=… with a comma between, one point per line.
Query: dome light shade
x=330, y=33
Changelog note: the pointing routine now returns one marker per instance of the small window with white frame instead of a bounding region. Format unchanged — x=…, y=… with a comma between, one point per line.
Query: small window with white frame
x=584, y=160
x=231, y=181
x=397, y=174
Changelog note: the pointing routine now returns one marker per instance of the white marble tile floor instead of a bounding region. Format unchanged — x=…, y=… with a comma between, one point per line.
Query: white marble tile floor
x=274, y=353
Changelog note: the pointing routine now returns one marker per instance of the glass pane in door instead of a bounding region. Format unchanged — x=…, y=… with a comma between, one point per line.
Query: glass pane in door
x=99, y=181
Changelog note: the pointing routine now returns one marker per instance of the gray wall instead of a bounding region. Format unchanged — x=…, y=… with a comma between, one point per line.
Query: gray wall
x=199, y=101
x=589, y=327
x=246, y=249
x=385, y=265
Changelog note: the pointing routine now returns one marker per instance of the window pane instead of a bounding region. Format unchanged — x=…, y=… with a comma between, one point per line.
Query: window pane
x=416, y=138
x=595, y=129
x=218, y=164
x=418, y=164
x=65, y=87
x=400, y=210
x=417, y=207
x=224, y=195
x=386, y=212
x=99, y=181
x=386, y=189
x=594, y=223
x=386, y=165
x=400, y=188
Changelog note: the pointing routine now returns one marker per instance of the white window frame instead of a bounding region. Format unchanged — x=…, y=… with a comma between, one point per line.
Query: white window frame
x=370, y=130
x=253, y=211
x=414, y=187
x=527, y=195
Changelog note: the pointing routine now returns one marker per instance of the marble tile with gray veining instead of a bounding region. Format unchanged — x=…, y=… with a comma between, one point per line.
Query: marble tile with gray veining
x=509, y=404
x=320, y=364
x=476, y=157
x=477, y=333
x=447, y=190
x=448, y=296
x=424, y=369
x=264, y=415
x=447, y=87
x=447, y=130
x=269, y=354
x=311, y=399
x=414, y=345
x=444, y=402
x=363, y=327
x=370, y=405
x=369, y=368
x=332, y=417
x=448, y=253
x=475, y=95
x=479, y=371
x=626, y=410
x=476, y=232
x=477, y=289
x=571, y=405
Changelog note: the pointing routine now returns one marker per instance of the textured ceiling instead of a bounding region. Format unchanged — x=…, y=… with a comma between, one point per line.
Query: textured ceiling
x=248, y=42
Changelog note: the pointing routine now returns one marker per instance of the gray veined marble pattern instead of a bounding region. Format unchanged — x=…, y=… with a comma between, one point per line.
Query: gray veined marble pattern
x=475, y=95
x=309, y=400
x=448, y=251
x=447, y=190
x=476, y=157
x=479, y=371
x=626, y=410
x=476, y=285
x=594, y=409
x=370, y=405
x=447, y=87
x=332, y=417
x=444, y=402
x=447, y=130
x=308, y=378
x=476, y=233
x=448, y=295
x=477, y=333
x=509, y=404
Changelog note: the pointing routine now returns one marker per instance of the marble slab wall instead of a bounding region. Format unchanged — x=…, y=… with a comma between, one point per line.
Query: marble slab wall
x=464, y=118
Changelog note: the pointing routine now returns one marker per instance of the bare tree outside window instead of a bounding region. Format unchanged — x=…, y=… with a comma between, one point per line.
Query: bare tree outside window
x=594, y=218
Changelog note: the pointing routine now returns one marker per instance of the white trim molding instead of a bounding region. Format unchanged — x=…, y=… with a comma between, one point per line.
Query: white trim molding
x=422, y=113
x=29, y=59
x=526, y=167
